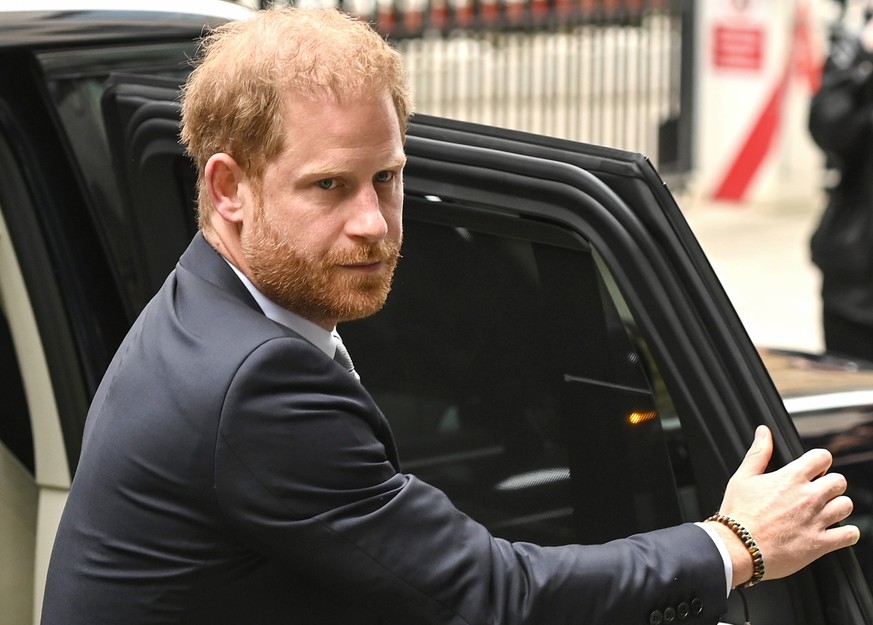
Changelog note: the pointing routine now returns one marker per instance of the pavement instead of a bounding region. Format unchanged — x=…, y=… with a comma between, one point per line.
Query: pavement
x=760, y=252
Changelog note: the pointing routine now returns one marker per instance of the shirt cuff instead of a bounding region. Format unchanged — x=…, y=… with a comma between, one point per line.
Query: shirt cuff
x=722, y=549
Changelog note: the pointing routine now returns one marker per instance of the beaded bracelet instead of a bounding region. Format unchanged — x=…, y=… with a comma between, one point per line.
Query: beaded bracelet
x=744, y=535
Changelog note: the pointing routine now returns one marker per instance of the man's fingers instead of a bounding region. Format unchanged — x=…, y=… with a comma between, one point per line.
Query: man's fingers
x=839, y=537
x=831, y=485
x=814, y=463
x=836, y=510
x=758, y=456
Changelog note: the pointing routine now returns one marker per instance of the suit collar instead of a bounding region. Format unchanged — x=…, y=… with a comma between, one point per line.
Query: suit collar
x=203, y=260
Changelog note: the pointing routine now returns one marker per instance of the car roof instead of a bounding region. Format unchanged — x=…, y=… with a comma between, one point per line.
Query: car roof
x=46, y=23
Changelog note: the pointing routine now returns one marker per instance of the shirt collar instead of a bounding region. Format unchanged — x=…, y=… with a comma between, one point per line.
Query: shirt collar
x=315, y=334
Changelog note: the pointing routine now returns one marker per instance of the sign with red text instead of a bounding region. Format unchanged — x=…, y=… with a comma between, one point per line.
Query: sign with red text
x=737, y=46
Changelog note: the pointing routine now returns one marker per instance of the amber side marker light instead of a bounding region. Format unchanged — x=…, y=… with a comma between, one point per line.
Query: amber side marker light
x=636, y=417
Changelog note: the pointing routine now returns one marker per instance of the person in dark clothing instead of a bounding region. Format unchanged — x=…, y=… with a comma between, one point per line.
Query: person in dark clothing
x=841, y=124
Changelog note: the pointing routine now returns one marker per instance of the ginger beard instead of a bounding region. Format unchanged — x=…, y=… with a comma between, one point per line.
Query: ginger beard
x=317, y=289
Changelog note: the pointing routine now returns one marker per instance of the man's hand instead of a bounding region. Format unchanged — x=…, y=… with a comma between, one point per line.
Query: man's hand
x=788, y=512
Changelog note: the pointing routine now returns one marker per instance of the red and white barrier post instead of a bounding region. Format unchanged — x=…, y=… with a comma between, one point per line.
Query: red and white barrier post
x=758, y=63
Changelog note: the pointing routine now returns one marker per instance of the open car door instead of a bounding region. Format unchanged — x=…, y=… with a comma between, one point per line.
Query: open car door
x=557, y=354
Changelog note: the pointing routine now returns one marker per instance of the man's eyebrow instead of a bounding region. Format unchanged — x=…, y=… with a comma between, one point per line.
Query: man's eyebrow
x=326, y=170
x=399, y=161
x=332, y=170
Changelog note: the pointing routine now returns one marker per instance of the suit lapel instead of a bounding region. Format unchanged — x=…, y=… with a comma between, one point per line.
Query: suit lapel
x=203, y=260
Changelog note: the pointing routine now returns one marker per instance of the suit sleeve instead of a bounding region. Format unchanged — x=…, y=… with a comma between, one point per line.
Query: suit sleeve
x=302, y=478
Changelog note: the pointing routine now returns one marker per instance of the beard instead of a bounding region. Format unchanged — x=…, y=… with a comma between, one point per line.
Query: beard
x=318, y=289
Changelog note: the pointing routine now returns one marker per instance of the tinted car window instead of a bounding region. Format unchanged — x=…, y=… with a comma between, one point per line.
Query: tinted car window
x=77, y=82
x=515, y=379
x=509, y=369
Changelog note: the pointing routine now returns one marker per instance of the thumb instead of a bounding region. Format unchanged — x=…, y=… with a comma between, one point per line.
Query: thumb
x=758, y=456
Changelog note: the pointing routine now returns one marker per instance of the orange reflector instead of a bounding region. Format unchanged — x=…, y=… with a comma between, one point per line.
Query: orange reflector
x=635, y=418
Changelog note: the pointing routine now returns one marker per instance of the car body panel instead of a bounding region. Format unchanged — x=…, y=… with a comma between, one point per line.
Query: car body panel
x=67, y=22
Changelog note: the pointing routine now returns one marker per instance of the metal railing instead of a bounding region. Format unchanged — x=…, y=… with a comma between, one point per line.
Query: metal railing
x=610, y=72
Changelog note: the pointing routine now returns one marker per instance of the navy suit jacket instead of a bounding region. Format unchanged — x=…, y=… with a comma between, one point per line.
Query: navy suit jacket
x=233, y=473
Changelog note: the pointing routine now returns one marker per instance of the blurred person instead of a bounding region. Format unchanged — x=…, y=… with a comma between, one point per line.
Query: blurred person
x=841, y=124
x=233, y=470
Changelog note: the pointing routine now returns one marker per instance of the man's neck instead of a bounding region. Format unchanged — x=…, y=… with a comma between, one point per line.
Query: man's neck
x=311, y=331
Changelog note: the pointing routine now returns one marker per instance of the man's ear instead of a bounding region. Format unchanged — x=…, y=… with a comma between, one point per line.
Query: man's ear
x=224, y=178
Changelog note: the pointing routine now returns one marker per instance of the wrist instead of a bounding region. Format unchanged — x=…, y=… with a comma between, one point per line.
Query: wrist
x=746, y=558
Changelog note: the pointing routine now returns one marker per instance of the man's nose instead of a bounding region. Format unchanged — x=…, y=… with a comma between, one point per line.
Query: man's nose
x=367, y=220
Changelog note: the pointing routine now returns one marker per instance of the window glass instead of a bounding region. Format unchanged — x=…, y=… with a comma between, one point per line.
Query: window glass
x=514, y=380
x=76, y=81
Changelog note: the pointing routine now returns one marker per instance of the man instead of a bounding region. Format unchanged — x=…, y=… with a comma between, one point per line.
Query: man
x=233, y=472
x=842, y=245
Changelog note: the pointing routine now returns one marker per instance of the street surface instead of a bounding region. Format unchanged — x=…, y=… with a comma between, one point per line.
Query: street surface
x=761, y=255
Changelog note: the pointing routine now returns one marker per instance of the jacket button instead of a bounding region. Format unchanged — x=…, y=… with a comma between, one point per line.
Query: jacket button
x=669, y=616
x=656, y=618
x=696, y=606
x=683, y=610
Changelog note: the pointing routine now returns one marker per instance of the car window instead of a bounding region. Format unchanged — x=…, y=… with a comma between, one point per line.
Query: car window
x=76, y=81
x=512, y=376
x=515, y=380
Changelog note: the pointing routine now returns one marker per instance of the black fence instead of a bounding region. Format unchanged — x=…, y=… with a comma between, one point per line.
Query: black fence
x=611, y=72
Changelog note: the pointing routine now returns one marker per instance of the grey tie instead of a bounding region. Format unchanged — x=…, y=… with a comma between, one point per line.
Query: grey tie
x=341, y=355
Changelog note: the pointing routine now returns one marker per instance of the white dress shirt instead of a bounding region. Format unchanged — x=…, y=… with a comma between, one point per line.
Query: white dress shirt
x=323, y=339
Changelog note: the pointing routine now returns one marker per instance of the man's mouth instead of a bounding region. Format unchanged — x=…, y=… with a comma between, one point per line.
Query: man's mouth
x=364, y=265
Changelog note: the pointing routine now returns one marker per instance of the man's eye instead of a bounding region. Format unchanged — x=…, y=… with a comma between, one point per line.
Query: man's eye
x=384, y=176
x=327, y=183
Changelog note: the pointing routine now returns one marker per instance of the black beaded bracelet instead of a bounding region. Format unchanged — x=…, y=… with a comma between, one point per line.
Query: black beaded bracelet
x=744, y=535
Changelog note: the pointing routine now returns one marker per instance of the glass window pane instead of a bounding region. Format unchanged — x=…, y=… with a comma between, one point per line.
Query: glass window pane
x=514, y=380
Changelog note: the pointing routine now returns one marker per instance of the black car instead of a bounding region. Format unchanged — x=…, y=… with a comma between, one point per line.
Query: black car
x=557, y=354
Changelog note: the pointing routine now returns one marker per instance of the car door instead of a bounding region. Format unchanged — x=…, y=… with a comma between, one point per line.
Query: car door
x=556, y=353
x=71, y=280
